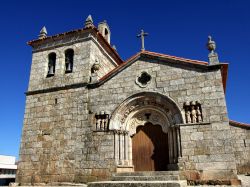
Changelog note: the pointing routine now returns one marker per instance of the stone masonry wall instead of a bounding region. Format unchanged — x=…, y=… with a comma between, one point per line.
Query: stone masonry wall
x=179, y=83
x=241, y=148
x=207, y=152
x=39, y=68
x=58, y=143
x=53, y=124
x=205, y=147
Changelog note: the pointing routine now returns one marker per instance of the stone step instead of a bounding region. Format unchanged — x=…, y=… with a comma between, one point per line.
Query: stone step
x=147, y=173
x=180, y=183
x=146, y=178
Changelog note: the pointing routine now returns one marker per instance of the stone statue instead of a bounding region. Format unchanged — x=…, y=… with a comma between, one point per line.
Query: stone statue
x=199, y=114
x=193, y=114
x=188, y=116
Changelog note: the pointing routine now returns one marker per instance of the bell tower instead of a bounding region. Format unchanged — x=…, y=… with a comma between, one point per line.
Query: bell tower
x=64, y=67
x=104, y=30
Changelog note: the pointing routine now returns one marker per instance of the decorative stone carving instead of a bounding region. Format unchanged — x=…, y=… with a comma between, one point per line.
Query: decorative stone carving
x=138, y=110
x=212, y=56
x=147, y=102
x=193, y=112
x=198, y=112
x=143, y=79
x=101, y=121
x=89, y=22
x=95, y=67
x=211, y=46
x=187, y=113
x=43, y=33
x=147, y=115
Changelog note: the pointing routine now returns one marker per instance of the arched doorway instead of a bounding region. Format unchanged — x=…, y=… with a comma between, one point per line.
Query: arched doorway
x=150, y=148
x=146, y=116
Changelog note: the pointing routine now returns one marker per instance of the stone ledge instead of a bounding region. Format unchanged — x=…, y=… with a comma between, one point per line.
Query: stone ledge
x=193, y=124
x=180, y=183
x=57, y=88
x=232, y=182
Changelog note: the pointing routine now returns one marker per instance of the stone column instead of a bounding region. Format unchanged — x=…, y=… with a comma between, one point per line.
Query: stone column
x=116, y=147
x=178, y=139
x=119, y=147
x=130, y=151
x=175, y=156
x=126, y=148
x=170, y=145
x=121, y=135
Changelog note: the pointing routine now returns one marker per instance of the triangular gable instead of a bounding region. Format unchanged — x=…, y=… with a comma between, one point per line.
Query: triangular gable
x=172, y=59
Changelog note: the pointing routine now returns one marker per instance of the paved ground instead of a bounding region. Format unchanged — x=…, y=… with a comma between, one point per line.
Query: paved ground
x=245, y=180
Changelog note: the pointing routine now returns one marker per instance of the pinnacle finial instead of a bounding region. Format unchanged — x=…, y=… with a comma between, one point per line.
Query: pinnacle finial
x=43, y=33
x=212, y=56
x=114, y=47
x=89, y=22
x=211, y=45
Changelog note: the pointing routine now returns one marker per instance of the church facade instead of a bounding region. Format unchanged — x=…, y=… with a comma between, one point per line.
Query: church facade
x=89, y=114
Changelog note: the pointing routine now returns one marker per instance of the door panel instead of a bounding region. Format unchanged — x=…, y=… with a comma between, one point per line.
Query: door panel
x=150, y=148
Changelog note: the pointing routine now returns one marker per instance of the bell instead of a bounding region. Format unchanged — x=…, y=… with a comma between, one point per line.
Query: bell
x=68, y=67
x=51, y=72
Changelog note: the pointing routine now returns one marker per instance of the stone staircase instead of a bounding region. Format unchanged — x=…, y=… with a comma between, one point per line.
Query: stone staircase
x=143, y=179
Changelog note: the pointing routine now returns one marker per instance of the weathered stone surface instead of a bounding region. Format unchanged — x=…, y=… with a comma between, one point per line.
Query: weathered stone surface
x=241, y=148
x=139, y=184
x=61, y=141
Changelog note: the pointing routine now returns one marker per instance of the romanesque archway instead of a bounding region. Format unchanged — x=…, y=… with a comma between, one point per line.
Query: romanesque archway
x=138, y=110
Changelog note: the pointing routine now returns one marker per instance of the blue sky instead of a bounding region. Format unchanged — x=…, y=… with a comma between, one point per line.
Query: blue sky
x=175, y=27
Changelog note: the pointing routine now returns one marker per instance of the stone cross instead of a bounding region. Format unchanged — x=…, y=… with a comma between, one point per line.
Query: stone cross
x=141, y=35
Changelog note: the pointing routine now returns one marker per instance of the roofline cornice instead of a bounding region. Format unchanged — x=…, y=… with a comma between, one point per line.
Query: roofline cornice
x=238, y=124
x=94, y=31
x=176, y=60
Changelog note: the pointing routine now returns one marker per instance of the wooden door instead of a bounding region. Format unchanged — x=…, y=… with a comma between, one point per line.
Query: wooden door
x=150, y=148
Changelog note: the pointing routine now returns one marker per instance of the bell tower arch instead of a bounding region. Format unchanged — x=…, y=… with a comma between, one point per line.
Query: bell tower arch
x=104, y=30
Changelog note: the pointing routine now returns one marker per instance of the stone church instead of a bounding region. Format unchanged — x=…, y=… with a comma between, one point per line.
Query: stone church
x=90, y=116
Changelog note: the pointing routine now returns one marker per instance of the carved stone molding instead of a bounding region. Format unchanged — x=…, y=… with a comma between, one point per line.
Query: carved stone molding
x=138, y=110
x=148, y=115
x=135, y=109
x=143, y=80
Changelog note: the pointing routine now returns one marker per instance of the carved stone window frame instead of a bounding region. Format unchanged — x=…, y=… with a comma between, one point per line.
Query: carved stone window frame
x=137, y=81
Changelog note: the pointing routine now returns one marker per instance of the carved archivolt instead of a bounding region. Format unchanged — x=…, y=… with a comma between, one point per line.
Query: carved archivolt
x=137, y=110
x=145, y=107
x=144, y=116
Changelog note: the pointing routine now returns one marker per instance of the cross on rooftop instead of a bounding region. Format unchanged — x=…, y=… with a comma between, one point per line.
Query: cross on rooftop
x=141, y=35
